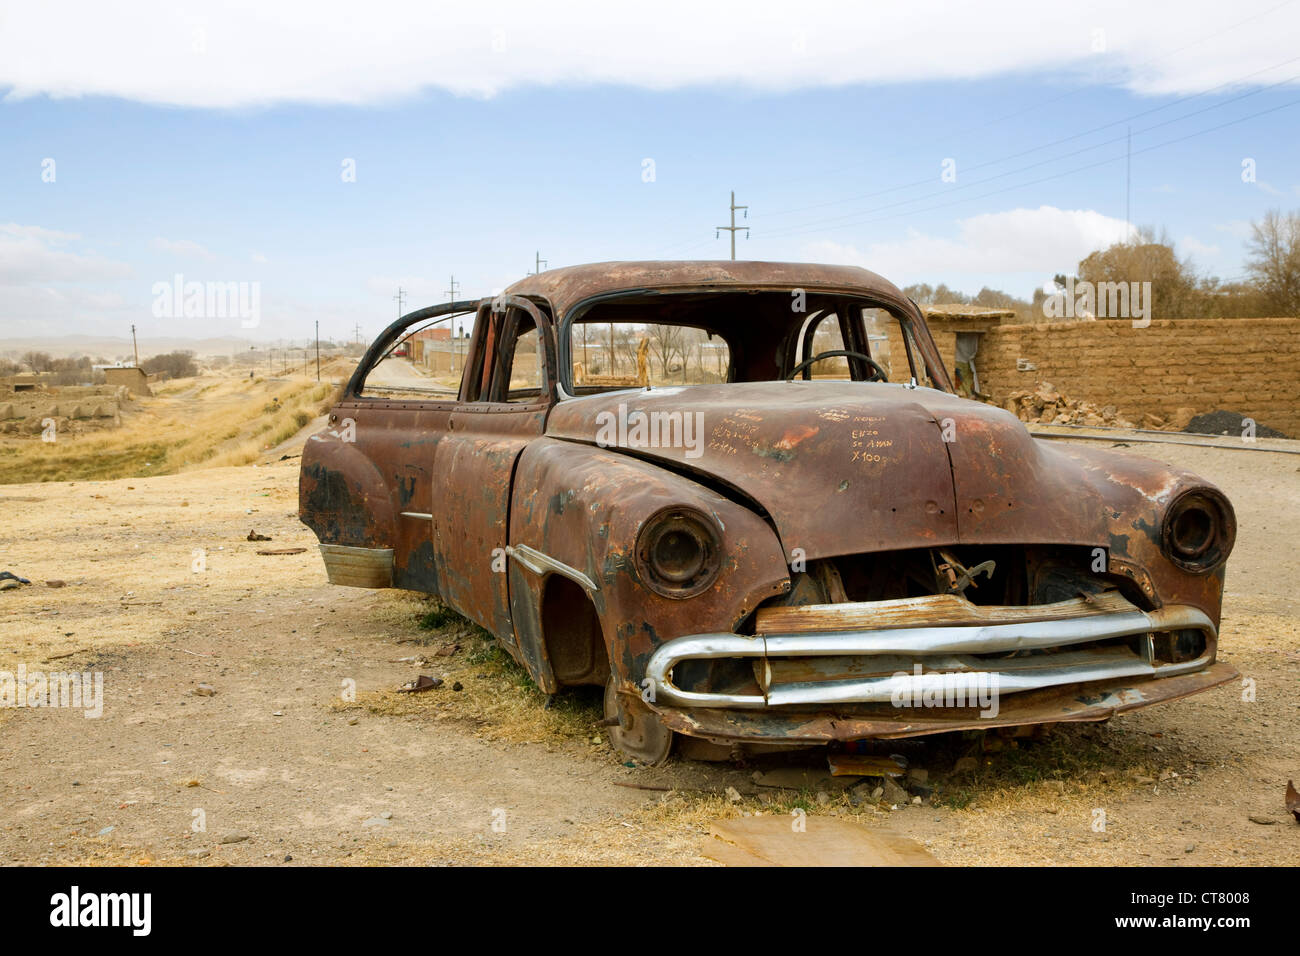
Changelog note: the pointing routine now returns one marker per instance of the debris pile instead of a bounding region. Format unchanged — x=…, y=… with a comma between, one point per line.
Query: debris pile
x=1046, y=406
x=1221, y=422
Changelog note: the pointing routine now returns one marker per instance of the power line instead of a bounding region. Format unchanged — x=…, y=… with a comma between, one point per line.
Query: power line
x=400, y=297
x=1066, y=139
x=538, y=263
x=812, y=225
x=451, y=293
x=799, y=228
x=733, y=227
x=1074, y=92
x=1077, y=169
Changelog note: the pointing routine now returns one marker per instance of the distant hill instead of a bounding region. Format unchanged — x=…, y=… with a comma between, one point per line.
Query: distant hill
x=111, y=347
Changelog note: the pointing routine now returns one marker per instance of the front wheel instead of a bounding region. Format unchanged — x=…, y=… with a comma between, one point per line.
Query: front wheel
x=634, y=729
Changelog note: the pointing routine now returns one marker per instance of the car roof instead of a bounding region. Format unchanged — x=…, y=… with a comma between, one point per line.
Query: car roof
x=570, y=285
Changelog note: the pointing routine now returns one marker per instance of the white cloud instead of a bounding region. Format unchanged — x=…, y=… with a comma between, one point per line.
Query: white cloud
x=1237, y=228
x=1041, y=241
x=1194, y=246
x=340, y=51
x=186, y=248
x=30, y=255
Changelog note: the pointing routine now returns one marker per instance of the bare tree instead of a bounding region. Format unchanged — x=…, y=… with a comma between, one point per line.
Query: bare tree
x=666, y=341
x=1274, y=261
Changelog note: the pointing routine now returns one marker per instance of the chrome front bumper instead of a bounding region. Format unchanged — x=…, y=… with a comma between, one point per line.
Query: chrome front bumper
x=877, y=660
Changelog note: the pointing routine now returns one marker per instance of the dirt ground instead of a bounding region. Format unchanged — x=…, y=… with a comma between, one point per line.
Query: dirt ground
x=278, y=766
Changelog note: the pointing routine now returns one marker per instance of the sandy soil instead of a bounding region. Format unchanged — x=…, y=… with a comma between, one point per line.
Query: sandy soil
x=287, y=771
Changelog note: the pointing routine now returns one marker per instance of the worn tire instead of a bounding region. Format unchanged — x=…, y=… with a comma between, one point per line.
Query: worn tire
x=639, y=733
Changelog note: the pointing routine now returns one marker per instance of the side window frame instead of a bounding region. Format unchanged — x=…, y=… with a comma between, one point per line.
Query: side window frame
x=498, y=333
x=380, y=347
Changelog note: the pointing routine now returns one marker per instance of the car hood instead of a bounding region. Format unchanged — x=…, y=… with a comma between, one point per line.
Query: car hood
x=851, y=467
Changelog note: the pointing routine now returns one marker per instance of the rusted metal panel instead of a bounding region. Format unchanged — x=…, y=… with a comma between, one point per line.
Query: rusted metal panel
x=838, y=470
x=585, y=506
x=477, y=456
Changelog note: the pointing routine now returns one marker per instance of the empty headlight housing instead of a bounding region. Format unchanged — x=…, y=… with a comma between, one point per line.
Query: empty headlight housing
x=678, y=552
x=1199, y=530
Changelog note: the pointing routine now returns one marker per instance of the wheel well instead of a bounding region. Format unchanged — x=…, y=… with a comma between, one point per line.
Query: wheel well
x=571, y=632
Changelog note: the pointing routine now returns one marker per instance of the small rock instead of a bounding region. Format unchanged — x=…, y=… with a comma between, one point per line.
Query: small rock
x=733, y=795
x=56, y=584
x=234, y=838
x=198, y=854
x=1189, y=848
x=894, y=793
x=877, y=793
x=353, y=721
x=918, y=775
x=106, y=831
x=823, y=798
x=387, y=814
x=1261, y=820
x=204, y=690
x=377, y=822
x=288, y=858
x=457, y=686
x=916, y=801
x=277, y=713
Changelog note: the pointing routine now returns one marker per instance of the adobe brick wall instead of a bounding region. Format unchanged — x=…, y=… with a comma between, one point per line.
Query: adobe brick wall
x=1251, y=366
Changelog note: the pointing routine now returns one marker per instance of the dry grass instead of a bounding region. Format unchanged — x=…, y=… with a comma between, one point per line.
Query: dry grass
x=190, y=423
x=497, y=699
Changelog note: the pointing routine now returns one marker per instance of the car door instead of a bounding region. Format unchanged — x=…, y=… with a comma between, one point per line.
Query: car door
x=367, y=482
x=505, y=398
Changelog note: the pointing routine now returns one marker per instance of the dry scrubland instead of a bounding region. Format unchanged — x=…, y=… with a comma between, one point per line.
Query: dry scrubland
x=207, y=421
x=286, y=771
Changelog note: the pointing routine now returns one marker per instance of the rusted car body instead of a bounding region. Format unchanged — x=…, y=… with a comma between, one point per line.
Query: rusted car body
x=750, y=538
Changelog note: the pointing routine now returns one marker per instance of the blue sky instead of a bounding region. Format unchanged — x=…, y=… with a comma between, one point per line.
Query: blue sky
x=236, y=174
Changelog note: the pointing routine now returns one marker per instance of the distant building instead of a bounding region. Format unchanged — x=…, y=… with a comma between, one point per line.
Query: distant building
x=24, y=381
x=135, y=379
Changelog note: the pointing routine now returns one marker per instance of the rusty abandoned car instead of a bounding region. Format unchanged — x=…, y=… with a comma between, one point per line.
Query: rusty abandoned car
x=746, y=499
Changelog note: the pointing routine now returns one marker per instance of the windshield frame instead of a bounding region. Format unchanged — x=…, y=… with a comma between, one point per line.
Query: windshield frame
x=914, y=330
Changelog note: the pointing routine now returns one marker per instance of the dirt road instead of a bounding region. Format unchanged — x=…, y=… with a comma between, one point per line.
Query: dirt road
x=162, y=592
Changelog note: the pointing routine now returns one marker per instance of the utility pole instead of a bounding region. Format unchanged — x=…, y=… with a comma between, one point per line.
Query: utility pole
x=356, y=327
x=318, y=350
x=135, y=348
x=455, y=342
x=400, y=297
x=538, y=262
x=733, y=227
